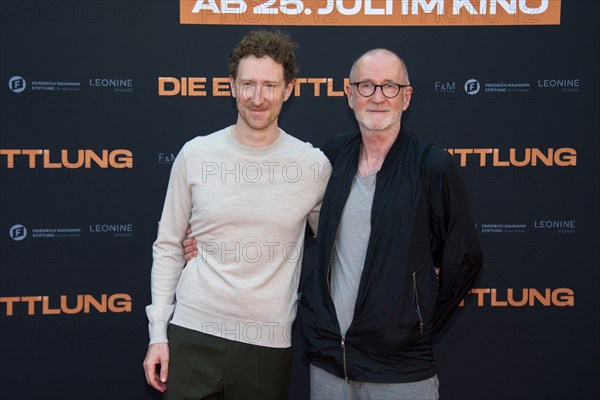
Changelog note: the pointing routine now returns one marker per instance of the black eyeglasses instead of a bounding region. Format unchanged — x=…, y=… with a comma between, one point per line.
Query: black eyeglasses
x=389, y=89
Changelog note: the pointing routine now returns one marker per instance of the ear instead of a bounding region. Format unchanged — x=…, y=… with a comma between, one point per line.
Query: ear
x=232, y=85
x=406, y=98
x=348, y=91
x=288, y=90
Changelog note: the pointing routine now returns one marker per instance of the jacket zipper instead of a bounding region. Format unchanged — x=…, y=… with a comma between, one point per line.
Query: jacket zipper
x=414, y=276
x=343, y=339
x=344, y=358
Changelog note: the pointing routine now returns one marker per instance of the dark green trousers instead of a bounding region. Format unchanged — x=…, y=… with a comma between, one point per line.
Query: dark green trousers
x=203, y=366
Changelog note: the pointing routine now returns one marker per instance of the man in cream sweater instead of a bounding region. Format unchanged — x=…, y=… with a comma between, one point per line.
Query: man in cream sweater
x=221, y=326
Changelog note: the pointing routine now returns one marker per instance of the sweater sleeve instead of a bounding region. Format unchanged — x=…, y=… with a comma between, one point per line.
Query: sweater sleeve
x=323, y=177
x=455, y=244
x=167, y=252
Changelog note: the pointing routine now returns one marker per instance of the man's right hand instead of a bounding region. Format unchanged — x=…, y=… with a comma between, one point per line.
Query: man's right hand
x=158, y=354
x=190, y=247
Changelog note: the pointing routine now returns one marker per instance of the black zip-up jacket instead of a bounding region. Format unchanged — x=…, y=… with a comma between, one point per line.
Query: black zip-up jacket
x=420, y=220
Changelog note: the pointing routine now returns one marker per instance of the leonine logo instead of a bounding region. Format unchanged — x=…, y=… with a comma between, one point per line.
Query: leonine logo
x=119, y=158
x=559, y=226
x=118, y=230
x=564, y=85
x=119, y=85
x=111, y=82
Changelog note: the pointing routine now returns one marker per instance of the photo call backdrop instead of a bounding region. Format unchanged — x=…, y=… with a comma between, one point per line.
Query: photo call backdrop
x=97, y=98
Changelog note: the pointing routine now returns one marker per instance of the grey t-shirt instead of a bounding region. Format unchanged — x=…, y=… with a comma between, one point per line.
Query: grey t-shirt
x=351, y=247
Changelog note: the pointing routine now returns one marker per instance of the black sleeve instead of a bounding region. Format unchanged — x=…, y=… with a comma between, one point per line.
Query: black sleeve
x=330, y=148
x=456, y=248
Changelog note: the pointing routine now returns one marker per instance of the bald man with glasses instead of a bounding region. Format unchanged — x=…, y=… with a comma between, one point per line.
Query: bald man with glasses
x=397, y=249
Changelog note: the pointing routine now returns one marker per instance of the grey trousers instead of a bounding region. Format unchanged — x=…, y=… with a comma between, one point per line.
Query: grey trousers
x=325, y=386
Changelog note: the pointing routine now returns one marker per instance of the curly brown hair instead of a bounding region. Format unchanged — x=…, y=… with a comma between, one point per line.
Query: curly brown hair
x=273, y=44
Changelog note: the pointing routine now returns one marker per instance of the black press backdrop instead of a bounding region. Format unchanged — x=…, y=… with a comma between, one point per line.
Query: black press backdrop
x=97, y=97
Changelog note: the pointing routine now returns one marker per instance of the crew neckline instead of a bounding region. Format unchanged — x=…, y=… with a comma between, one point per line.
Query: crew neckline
x=256, y=150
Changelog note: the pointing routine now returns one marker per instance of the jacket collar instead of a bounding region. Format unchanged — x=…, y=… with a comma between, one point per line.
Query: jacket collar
x=393, y=154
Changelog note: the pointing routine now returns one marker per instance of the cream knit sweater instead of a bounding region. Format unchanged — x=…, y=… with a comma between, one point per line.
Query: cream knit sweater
x=248, y=209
